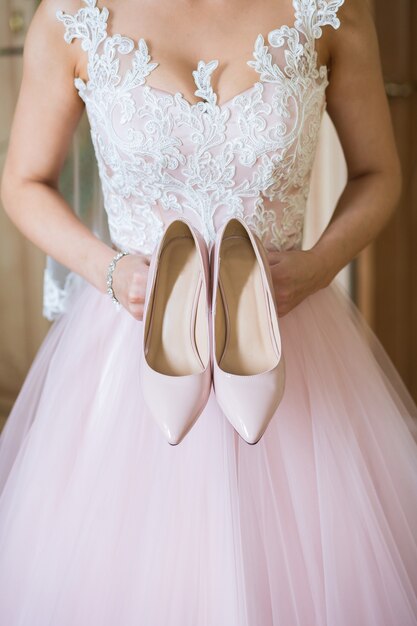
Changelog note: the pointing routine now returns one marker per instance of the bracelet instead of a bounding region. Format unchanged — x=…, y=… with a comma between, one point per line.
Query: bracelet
x=110, y=270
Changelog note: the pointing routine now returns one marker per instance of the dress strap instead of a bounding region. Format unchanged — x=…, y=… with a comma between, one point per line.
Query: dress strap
x=88, y=24
x=312, y=15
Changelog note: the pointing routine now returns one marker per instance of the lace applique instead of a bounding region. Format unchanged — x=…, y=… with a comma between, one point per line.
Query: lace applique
x=160, y=155
x=312, y=15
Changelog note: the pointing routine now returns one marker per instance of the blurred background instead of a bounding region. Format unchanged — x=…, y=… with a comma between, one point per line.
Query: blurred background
x=382, y=281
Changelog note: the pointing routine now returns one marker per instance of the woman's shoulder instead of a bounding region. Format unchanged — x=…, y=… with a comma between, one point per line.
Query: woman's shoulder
x=356, y=20
x=355, y=32
x=45, y=36
x=48, y=9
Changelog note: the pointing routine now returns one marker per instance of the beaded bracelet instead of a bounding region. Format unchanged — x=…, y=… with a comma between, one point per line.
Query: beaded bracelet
x=110, y=271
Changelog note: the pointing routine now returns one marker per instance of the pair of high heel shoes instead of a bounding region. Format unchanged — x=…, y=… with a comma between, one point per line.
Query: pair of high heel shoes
x=210, y=317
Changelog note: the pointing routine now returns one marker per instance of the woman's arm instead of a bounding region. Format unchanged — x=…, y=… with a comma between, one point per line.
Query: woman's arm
x=47, y=114
x=357, y=104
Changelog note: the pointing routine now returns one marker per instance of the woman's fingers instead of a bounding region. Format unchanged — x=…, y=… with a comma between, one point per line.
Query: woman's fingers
x=136, y=295
x=129, y=283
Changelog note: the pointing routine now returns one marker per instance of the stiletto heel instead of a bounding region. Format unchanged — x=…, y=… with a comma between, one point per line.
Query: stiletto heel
x=175, y=364
x=248, y=363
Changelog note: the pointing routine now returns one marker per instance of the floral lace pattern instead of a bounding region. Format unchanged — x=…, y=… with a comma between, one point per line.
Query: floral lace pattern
x=160, y=156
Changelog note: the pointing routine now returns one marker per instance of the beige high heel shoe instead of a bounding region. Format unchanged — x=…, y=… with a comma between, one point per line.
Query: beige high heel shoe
x=175, y=360
x=248, y=363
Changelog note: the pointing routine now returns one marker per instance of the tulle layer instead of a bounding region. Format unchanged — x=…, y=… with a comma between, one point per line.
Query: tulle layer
x=103, y=523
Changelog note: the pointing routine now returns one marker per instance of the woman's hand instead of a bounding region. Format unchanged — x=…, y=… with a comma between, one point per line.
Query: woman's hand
x=296, y=274
x=129, y=282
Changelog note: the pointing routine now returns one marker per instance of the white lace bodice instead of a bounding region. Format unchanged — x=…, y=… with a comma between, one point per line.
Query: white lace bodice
x=160, y=156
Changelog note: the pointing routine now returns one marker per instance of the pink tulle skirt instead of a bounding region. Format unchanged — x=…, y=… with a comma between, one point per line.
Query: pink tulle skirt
x=103, y=523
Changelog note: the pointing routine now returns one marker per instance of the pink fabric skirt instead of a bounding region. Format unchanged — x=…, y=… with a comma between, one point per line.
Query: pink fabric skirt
x=103, y=523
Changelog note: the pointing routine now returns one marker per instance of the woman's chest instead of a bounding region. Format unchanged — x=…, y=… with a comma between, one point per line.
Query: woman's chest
x=179, y=35
x=260, y=140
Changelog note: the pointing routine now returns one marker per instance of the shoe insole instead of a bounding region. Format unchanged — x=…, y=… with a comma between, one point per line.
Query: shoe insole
x=248, y=346
x=177, y=329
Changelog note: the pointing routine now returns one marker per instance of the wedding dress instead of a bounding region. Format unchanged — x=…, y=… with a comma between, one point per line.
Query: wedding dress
x=102, y=523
